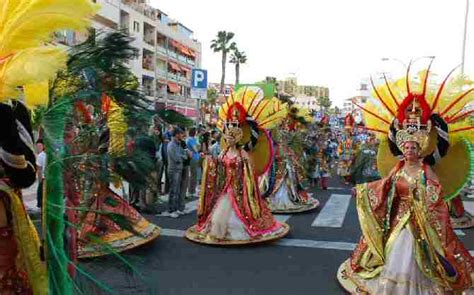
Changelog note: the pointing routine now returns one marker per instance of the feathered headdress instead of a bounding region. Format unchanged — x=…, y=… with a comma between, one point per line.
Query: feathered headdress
x=26, y=26
x=434, y=117
x=255, y=114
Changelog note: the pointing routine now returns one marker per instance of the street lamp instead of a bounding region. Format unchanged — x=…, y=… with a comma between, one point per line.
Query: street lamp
x=404, y=64
x=464, y=38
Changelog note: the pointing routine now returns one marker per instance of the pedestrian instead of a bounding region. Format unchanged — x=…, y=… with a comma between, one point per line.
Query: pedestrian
x=215, y=148
x=167, y=137
x=177, y=155
x=193, y=146
x=40, y=170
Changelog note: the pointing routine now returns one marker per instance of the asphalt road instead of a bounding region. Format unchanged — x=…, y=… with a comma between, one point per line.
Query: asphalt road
x=304, y=263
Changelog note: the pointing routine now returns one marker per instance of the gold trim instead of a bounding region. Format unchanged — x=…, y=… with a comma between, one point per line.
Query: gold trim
x=15, y=161
x=301, y=208
x=193, y=235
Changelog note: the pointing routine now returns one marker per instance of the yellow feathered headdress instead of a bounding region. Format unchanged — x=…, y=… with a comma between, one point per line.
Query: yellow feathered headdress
x=26, y=27
x=255, y=115
x=434, y=115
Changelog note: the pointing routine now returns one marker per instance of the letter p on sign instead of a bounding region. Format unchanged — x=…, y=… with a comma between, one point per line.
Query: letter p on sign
x=199, y=78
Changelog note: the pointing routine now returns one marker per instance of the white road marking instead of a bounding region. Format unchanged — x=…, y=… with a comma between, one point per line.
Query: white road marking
x=282, y=217
x=333, y=212
x=459, y=232
x=316, y=244
x=168, y=232
x=469, y=206
x=191, y=206
x=471, y=252
x=344, y=246
x=331, y=188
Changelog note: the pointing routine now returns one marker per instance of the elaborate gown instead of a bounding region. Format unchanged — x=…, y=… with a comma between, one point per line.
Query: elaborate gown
x=408, y=244
x=231, y=210
x=112, y=225
x=288, y=195
x=345, y=150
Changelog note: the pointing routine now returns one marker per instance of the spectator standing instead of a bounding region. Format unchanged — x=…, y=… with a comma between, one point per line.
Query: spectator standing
x=40, y=169
x=193, y=146
x=215, y=148
x=177, y=155
x=167, y=137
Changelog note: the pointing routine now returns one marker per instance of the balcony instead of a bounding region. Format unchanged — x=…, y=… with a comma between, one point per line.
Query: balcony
x=173, y=77
x=149, y=41
x=148, y=91
x=184, y=80
x=182, y=58
x=143, y=8
x=176, y=97
x=161, y=73
x=161, y=48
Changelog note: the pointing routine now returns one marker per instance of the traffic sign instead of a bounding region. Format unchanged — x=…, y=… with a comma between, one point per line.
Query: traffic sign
x=199, y=79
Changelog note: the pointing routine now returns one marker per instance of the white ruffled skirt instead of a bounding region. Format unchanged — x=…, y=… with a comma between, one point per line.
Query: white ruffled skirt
x=401, y=274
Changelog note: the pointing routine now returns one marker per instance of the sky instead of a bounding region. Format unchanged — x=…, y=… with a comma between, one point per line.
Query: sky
x=333, y=43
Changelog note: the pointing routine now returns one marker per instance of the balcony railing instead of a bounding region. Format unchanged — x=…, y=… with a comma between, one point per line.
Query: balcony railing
x=161, y=72
x=148, y=91
x=142, y=8
x=149, y=41
x=184, y=79
x=177, y=97
x=161, y=48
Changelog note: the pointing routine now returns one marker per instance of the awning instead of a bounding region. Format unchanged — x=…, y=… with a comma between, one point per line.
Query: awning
x=175, y=43
x=191, y=52
x=185, y=69
x=174, y=66
x=173, y=87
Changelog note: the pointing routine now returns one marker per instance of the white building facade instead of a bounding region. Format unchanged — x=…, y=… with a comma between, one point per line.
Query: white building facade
x=167, y=51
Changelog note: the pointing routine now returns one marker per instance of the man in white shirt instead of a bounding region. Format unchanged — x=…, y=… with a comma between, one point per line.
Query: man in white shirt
x=40, y=170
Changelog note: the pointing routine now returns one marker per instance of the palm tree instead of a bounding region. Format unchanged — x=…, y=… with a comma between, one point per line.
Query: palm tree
x=238, y=58
x=223, y=44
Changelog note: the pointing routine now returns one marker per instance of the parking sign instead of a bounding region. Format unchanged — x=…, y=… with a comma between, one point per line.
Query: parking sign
x=199, y=79
x=199, y=84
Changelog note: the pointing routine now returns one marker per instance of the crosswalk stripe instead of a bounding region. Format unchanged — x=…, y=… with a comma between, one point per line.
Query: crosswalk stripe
x=469, y=206
x=282, y=217
x=333, y=212
x=344, y=246
x=331, y=188
x=316, y=244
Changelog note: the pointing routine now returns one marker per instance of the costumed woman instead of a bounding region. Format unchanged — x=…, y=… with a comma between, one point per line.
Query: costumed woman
x=408, y=245
x=231, y=209
x=364, y=168
x=346, y=150
x=285, y=192
x=106, y=104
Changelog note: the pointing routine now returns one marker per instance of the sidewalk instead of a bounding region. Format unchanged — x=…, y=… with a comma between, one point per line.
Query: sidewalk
x=29, y=200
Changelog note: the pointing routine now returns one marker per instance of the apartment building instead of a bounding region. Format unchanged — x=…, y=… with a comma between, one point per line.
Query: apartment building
x=303, y=95
x=168, y=51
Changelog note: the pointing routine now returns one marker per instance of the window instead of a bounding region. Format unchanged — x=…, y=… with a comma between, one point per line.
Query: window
x=136, y=26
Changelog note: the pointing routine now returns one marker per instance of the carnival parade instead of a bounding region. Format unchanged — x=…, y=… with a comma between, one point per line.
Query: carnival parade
x=125, y=170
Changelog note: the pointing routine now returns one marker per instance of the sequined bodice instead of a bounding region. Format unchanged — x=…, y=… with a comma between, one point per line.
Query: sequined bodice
x=403, y=198
x=231, y=162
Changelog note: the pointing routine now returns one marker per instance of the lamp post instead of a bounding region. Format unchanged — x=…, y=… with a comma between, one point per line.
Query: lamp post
x=464, y=38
